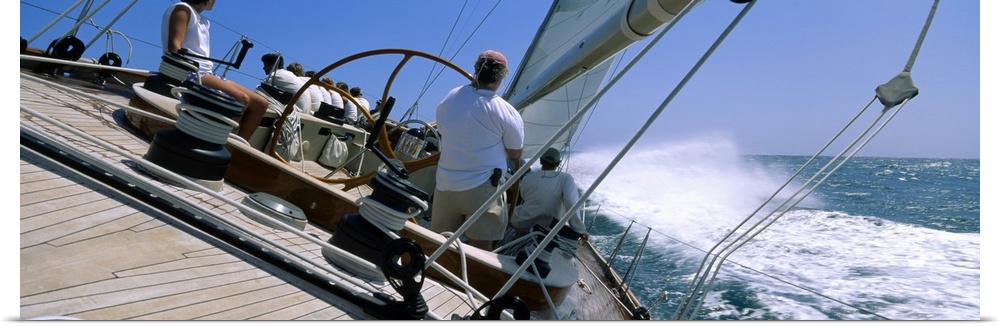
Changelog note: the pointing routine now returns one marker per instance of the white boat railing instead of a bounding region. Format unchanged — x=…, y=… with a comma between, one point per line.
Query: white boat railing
x=637, y=261
x=83, y=64
x=894, y=95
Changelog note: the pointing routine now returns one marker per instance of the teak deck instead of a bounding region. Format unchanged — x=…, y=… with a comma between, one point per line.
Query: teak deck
x=89, y=251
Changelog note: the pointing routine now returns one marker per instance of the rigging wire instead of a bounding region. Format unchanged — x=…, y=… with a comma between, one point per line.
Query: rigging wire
x=908, y=67
x=423, y=91
x=288, y=58
x=578, y=205
x=694, y=247
x=581, y=127
x=900, y=89
x=158, y=46
x=427, y=81
x=90, y=23
x=621, y=58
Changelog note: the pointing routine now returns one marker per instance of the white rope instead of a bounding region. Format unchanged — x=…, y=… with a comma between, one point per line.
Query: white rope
x=408, y=196
x=170, y=69
x=204, y=124
x=291, y=130
x=464, y=268
x=383, y=216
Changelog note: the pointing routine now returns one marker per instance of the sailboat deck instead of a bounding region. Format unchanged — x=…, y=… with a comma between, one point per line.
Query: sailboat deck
x=91, y=251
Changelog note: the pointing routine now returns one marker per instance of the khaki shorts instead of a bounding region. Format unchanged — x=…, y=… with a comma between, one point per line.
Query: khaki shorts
x=451, y=208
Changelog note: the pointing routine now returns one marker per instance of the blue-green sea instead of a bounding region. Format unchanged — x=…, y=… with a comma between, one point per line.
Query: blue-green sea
x=882, y=238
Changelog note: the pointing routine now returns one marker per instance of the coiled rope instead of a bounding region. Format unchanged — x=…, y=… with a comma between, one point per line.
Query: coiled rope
x=201, y=123
x=384, y=217
x=178, y=69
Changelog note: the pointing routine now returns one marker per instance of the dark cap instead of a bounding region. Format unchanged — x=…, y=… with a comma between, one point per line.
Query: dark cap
x=551, y=156
x=493, y=55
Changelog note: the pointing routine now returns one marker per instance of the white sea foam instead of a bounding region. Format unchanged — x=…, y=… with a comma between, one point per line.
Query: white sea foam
x=697, y=191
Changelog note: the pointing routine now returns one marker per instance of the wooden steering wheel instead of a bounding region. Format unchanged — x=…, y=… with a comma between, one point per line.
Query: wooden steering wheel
x=383, y=138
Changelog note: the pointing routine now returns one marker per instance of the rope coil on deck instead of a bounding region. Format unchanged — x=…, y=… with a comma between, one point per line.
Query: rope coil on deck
x=177, y=68
x=383, y=216
x=204, y=124
x=201, y=123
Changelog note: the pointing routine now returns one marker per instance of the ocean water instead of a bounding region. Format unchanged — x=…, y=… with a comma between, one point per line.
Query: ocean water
x=883, y=238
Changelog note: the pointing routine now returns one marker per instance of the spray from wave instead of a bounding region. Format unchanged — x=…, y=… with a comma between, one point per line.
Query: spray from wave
x=812, y=264
x=701, y=187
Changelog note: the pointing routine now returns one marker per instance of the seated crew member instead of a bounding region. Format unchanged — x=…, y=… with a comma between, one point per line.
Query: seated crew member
x=323, y=92
x=284, y=80
x=335, y=99
x=315, y=94
x=350, y=109
x=546, y=195
x=356, y=93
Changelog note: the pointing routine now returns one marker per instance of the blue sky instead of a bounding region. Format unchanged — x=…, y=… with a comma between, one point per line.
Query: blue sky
x=789, y=76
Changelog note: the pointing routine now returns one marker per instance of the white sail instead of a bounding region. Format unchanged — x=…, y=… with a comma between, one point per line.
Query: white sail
x=570, y=58
x=543, y=118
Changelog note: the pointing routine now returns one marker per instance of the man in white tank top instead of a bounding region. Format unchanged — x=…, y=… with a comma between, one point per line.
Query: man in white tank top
x=183, y=27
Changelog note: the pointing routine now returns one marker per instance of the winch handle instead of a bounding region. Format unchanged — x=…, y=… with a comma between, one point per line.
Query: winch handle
x=386, y=108
x=370, y=145
x=245, y=46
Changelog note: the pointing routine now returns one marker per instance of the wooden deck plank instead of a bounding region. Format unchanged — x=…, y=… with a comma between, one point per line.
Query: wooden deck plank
x=258, y=307
x=453, y=305
x=329, y=314
x=178, y=297
x=135, y=222
x=99, y=291
x=51, y=225
x=291, y=310
x=240, y=296
x=54, y=198
x=43, y=185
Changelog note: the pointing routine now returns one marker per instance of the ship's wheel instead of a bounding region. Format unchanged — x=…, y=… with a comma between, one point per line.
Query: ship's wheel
x=378, y=131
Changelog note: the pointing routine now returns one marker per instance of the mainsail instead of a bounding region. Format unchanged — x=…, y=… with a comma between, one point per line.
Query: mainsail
x=569, y=59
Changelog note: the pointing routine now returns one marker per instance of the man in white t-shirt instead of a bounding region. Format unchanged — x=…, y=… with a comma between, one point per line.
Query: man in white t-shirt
x=480, y=132
x=184, y=29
